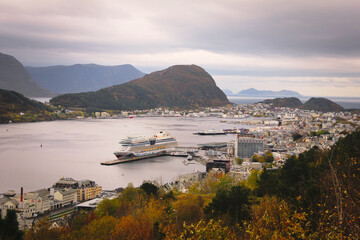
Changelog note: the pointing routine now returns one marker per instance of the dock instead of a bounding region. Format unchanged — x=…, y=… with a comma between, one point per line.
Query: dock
x=124, y=160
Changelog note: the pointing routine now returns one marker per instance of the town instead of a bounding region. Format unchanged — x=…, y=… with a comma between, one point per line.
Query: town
x=272, y=135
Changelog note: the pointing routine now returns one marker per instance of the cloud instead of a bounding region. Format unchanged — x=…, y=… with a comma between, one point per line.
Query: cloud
x=245, y=38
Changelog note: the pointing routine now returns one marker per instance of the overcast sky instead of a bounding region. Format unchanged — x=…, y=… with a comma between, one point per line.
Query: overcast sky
x=312, y=47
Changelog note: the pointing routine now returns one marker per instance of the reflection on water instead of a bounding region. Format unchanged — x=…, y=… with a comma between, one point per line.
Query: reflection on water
x=36, y=155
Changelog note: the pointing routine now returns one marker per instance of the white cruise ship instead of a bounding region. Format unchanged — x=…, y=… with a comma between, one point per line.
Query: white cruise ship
x=140, y=147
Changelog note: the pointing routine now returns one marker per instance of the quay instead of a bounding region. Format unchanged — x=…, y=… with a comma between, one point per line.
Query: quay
x=123, y=160
x=172, y=152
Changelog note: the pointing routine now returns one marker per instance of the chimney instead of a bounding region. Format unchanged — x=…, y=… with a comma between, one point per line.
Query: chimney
x=21, y=205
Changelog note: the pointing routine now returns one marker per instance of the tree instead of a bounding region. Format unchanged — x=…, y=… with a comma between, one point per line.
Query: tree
x=43, y=230
x=273, y=219
x=296, y=136
x=233, y=204
x=9, y=227
x=269, y=157
x=239, y=160
x=150, y=189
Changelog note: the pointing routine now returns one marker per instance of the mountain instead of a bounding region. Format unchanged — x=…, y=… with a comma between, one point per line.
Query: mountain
x=14, y=102
x=316, y=104
x=177, y=86
x=322, y=104
x=13, y=76
x=82, y=77
x=227, y=92
x=291, y=102
x=269, y=93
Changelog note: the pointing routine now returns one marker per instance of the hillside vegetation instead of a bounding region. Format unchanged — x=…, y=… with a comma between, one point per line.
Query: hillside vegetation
x=181, y=86
x=316, y=104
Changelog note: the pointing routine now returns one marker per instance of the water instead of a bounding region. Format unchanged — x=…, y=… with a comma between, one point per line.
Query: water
x=75, y=148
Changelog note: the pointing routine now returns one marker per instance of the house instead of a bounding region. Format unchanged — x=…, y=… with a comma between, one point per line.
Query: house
x=7, y=203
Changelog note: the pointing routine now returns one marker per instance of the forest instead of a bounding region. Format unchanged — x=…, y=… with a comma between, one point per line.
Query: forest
x=313, y=196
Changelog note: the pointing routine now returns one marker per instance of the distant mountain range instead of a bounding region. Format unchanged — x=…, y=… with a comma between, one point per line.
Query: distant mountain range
x=316, y=104
x=82, y=77
x=13, y=76
x=180, y=86
x=252, y=92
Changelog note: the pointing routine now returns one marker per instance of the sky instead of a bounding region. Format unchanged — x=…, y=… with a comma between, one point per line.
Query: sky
x=312, y=47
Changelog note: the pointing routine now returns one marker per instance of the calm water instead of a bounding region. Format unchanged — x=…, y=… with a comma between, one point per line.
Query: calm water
x=75, y=149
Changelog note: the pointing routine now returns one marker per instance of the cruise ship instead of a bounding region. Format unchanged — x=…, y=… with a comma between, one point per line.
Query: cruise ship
x=135, y=148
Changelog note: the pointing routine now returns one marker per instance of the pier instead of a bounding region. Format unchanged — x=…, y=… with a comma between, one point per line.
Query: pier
x=124, y=160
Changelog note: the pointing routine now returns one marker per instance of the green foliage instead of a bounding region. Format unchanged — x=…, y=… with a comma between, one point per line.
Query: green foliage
x=231, y=204
x=150, y=189
x=296, y=136
x=253, y=180
x=239, y=160
x=318, y=133
x=9, y=227
x=269, y=158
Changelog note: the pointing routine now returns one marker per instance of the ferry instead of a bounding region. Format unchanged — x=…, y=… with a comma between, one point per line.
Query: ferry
x=135, y=148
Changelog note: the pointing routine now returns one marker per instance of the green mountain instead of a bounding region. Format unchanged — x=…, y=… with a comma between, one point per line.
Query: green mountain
x=13, y=76
x=291, y=102
x=316, y=104
x=322, y=104
x=82, y=77
x=13, y=102
x=181, y=86
x=15, y=107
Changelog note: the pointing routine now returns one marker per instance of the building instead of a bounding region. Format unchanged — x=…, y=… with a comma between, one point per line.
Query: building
x=65, y=197
x=7, y=203
x=40, y=199
x=245, y=147
x=86, y=189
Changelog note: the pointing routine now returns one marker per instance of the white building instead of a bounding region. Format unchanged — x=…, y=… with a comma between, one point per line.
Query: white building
x=7, y=203
x=66, y=196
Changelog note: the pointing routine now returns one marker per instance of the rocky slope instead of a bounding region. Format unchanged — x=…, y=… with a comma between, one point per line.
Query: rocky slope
x=13, y=76
x=181, y=86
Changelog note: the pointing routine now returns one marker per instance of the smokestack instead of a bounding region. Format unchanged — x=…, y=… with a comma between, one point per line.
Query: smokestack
x=21, y=204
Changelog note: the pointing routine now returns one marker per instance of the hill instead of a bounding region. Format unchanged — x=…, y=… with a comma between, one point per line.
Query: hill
x=82, y=77
x=322, y=104
x=13, y=76
x=268, y=93
x=13, y=102
x=177, y=86
x=291, y=102
x=316, y=104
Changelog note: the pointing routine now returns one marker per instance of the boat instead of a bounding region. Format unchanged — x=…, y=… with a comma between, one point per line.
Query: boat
x=211, y=132
x=135, y=148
